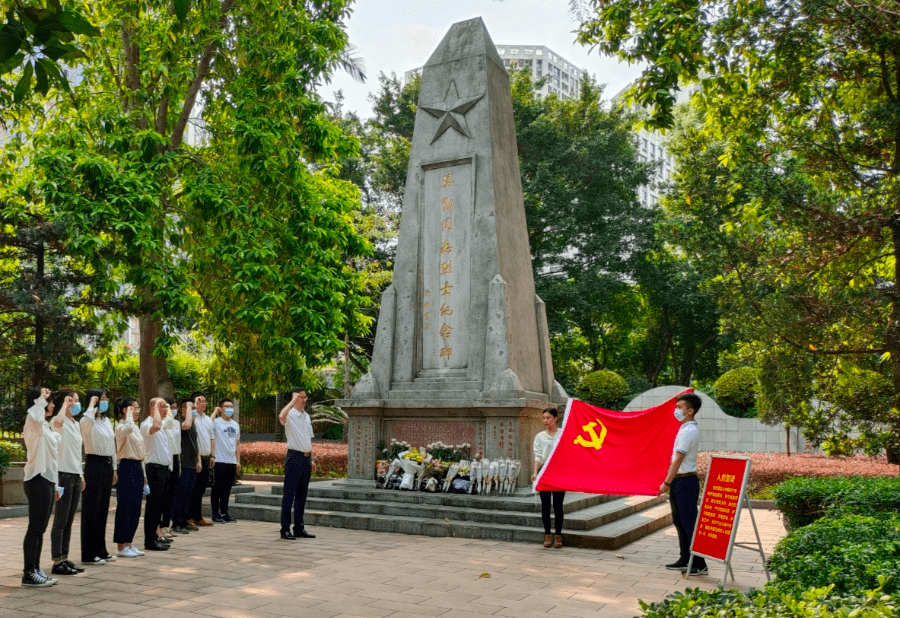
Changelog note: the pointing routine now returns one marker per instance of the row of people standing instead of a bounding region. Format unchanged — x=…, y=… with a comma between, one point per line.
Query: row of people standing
x=165, y=459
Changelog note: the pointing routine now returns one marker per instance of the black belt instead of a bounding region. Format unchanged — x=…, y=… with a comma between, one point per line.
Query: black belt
x=106, y=458
x=156, y=465
x=290, y=450
x=685, y=474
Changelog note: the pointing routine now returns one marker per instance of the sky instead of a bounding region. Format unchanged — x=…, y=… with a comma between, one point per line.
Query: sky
x=398, y=35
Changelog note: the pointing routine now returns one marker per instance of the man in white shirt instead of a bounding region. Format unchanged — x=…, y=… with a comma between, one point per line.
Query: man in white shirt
x=157, y=467
x=227, y=459
x=207, y=443
x=298, y=464
x=684, y=484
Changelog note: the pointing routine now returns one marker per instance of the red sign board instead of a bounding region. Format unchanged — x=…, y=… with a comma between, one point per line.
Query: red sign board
x=720, y=509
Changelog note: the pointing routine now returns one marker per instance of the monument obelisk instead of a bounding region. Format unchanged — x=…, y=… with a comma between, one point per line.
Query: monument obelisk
x=462, y=351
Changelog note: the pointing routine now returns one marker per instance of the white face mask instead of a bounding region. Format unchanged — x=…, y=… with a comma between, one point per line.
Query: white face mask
x=679, y=414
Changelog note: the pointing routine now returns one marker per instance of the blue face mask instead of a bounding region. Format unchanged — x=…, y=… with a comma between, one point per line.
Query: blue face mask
x=76, y=408
x=229, y=412
x=193, y=413
x=104, y=406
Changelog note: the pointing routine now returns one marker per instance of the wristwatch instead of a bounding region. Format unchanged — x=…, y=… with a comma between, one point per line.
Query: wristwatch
x=667, y=483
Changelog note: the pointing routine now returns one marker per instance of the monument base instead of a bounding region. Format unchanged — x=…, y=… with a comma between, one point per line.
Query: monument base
x=494, y=430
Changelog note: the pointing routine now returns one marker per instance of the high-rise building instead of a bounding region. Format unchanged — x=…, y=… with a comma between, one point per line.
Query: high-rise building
x=562, y=77
x=651, y=147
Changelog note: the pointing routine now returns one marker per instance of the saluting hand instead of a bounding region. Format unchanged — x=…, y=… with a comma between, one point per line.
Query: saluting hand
x=93, y=402
x=45, y=393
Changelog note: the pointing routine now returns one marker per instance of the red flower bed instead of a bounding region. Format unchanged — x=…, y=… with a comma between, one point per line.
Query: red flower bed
x=768, y=469
x=268, y=457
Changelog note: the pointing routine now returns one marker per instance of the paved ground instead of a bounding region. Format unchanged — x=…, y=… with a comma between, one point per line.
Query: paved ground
x=244, y=570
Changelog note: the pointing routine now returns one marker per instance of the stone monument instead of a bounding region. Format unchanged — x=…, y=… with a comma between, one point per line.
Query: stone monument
x=462, y=350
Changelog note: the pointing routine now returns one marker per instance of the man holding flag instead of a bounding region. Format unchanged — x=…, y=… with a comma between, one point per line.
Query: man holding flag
x=683, y=483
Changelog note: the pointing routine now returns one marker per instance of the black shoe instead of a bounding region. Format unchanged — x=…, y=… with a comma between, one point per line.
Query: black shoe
x=180, y=530
x=677, y=566
x=287, y=535
x=96, y=561
x=72, y=565
x=303, y=534
x=37, y=579
x=63, y=569
x=156, y=547
x=695, y=570
x=228, y=519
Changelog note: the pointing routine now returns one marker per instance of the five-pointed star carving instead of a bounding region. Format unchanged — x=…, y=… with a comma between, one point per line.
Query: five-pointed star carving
x=452, y=111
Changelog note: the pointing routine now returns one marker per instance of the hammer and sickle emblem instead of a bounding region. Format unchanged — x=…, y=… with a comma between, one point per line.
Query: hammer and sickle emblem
x=595, y=441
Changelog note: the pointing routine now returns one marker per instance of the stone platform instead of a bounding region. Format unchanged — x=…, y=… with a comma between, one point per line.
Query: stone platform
x=596, y=522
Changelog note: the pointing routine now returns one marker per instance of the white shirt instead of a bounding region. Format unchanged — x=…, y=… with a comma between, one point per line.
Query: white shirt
x=543, y=444
x=157, y=444
x=41, y=445
x=69, y=446
x=173, y=428
x=129, y=441
x=687, y=441
x=98, y=435
x=227, y=434
x=204, y=427
x=299, y=431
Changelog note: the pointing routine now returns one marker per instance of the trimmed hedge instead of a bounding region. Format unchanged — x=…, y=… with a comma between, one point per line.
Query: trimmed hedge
x=604, y=389
x=736, y=391
x=803, y=500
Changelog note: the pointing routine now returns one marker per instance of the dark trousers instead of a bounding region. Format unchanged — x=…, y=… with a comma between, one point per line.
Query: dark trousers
x=221, y=491
x=129, y=493
x=557, y=498
x=169, y=493
x=98, y=478
x=195, y=506
x=683, y=496
x=66, y=506
x=297, y=471
x=40, y=493
x=157, y=475
x=183, y=492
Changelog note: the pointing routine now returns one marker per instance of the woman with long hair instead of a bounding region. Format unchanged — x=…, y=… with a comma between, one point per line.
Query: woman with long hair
x=543, y=444
x=132, y=483
x=99, y=477
x=71, y=479
x=41, y=476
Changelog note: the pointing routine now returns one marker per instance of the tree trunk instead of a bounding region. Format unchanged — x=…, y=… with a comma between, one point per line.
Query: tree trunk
x=787, y=442
x=892, y=337
x=154, y=379
x=347, y=389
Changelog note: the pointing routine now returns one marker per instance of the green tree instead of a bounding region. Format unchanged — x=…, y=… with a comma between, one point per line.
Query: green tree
x=246, y=230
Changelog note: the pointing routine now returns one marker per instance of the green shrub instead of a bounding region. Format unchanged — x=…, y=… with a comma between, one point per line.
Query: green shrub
x=4, y=460
x=637, y=385
x=736, y=391
x=604, y=388
x=15, y=450
x=335, y=432
x=803, y=500
x=849, y=551
x=770, y=603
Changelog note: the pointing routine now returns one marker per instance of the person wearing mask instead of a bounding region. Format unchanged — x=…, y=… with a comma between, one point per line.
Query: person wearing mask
x=41, y=477
x=227, y=460
x=132, y=485
x=207, y=443
x=543, y=444
x=298, y=464
x=157, y=465
x=173, y=428
x=71, y=480
x=190, y=468
x=100, y=463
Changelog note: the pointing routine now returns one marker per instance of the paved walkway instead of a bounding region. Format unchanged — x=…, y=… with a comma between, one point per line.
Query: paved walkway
x=244, y=570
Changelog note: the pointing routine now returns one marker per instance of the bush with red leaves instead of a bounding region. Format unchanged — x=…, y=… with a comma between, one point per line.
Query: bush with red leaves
x=268, y=457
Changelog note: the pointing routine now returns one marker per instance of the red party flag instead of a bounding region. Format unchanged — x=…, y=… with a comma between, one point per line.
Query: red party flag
x=601, y=451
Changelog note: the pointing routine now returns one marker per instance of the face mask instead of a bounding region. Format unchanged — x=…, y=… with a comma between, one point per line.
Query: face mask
x=76, y=408
x=193, y=413
x=104, y=406
x=679, y=414
x=229, y=412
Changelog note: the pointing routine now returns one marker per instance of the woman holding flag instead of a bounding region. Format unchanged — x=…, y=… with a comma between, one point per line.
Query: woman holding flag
x=543, y=444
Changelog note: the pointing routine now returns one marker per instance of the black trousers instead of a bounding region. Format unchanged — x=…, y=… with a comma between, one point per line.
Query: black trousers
x=183, y=492
x=98, y=478
x=61, y=533
x=169, y=493
x=557, y=499
x=221, y=490
x=195, y=506
x=683, y=496
x=129, y=493
x=297, y=471
x=157, y=476
x=40, y=493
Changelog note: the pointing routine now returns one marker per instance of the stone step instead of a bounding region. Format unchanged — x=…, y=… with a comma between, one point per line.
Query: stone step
x=609, y=536
x=429, y=384
x=443, y=393
x=236, y=490
x=443, y=373
x=584, y=519
x=523, y=500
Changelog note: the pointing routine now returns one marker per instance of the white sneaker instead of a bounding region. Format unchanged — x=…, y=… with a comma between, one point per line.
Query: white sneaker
x=136, y=551
x=126, y=552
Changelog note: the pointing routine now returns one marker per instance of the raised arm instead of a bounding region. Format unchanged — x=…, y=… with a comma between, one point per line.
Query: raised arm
x=57, y=422
x=36, y=411
x=282, y=416
x=188, y=421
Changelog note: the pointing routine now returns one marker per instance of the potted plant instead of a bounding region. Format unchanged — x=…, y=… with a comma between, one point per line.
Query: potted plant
x=12, y=474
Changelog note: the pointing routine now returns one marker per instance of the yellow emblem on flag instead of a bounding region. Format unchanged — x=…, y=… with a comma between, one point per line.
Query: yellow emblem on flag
x=595, y=441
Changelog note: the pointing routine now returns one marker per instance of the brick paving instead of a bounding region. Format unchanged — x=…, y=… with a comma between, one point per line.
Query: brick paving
x=244, y=570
